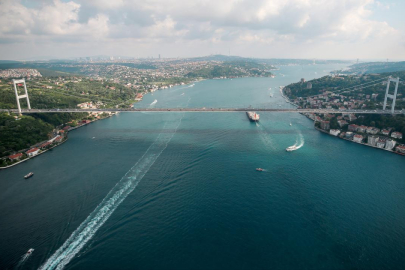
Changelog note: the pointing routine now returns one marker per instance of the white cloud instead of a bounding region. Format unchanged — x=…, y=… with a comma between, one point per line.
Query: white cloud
x=267, y=22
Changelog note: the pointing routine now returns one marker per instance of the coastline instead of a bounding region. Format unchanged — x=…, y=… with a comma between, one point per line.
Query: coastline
x=73, y=128
x=326, y=132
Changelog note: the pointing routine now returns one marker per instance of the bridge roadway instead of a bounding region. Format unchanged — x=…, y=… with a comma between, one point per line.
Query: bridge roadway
x=291, y=110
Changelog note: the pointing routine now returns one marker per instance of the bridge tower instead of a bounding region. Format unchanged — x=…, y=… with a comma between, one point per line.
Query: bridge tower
x=394, y=96
x=15, y=82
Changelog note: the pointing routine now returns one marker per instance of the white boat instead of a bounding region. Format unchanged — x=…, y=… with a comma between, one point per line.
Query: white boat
x=271, y=95
x=291, y=148
x=28, y=175
x=154, y=102
x=290, y=124
x=30, y=251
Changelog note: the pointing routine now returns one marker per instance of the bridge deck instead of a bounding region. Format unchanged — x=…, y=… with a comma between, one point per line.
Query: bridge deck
x=291, y=110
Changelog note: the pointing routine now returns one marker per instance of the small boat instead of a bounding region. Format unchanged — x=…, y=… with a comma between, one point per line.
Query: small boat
x=28, y=175
x=291, y=148
x=290, y=124
x=259, y=169
x=30, y=251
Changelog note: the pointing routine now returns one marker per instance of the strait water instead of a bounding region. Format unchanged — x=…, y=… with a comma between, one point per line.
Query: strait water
x=180, y=191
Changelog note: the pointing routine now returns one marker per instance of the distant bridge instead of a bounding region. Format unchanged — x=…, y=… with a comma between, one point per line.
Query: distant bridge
x=291, y=110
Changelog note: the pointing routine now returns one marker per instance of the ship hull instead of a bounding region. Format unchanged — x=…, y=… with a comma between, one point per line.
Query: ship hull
x=253, y=117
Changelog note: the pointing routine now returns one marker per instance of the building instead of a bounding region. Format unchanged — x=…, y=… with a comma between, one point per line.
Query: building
x=381, y=143
x=58, y=138
x=390, y=144
x=32, y=152
x=358, y=138
x=342, y=123
x=15, y=156
x=385, y=132
x=396, y=135
x=334, y=132
x=352, y=127
x=44, y=145
x=309, y=85
x=325, y=125
x=401, y=148
x=372, y=140
x=361, y=129
x=349, y=135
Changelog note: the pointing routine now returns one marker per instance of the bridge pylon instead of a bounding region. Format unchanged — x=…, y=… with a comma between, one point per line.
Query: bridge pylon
x=394, y=96
x=15, y=82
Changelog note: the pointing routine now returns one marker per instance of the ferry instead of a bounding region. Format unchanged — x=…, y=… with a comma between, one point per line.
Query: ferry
x=291, y=148
x=254, y=117
x=29, y=175
x=259, y=169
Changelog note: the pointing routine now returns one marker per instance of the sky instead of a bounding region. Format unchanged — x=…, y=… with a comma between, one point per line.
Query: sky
x=319, y=29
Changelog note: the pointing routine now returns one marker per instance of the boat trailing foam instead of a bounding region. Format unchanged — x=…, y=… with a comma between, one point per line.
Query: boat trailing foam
x=114, y=198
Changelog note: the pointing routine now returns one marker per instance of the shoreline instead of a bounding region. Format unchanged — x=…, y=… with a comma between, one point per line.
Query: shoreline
x=73, y=128
x=326, y=132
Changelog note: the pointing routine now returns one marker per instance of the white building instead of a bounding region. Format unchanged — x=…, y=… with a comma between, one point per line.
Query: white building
x=396, y=135
x=390, y=144
x=334, y=132
x=32, y=152
x=372, y=140
x=358, y=138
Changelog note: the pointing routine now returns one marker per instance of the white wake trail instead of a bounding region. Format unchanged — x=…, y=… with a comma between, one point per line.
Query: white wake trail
x=300, y=141
x=114, y=198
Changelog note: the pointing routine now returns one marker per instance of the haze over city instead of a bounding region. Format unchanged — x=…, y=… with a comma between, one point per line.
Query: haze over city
x=329, y=29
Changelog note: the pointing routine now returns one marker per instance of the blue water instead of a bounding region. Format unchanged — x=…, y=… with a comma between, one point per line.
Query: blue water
x=180, y=191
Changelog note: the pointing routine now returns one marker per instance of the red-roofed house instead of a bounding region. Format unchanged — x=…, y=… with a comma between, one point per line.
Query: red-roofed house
x=32, y=152
x=396, y=135
x=16, y=156
x=44, y=145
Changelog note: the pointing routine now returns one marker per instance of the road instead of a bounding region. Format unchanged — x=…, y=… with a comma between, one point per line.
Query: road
x=291, y=110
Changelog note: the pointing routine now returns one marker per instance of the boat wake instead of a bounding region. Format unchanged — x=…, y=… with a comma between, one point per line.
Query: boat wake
x=264, y=136
x=114, y=198
x=23, y=259
x=153, y=103
x=299, y=142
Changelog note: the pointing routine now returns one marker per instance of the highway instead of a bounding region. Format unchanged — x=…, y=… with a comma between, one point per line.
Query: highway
x=291, y=110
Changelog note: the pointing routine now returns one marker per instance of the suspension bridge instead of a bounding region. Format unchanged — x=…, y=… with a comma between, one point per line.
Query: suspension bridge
x=264, y=108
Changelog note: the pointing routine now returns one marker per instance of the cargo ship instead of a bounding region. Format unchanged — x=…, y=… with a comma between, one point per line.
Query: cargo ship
x=254, y=117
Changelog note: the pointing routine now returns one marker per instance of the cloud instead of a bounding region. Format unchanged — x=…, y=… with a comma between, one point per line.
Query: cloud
x=266, y=22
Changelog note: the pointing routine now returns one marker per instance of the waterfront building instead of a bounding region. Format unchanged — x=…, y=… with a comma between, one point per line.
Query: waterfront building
x=401, y=148
x=334, y=132
x=15, y=156
x=349, y=135
x=396, y=135
x=32, y=152
x=372, y=140
x=390, y=144
x=357, y=138
x=381, y=142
